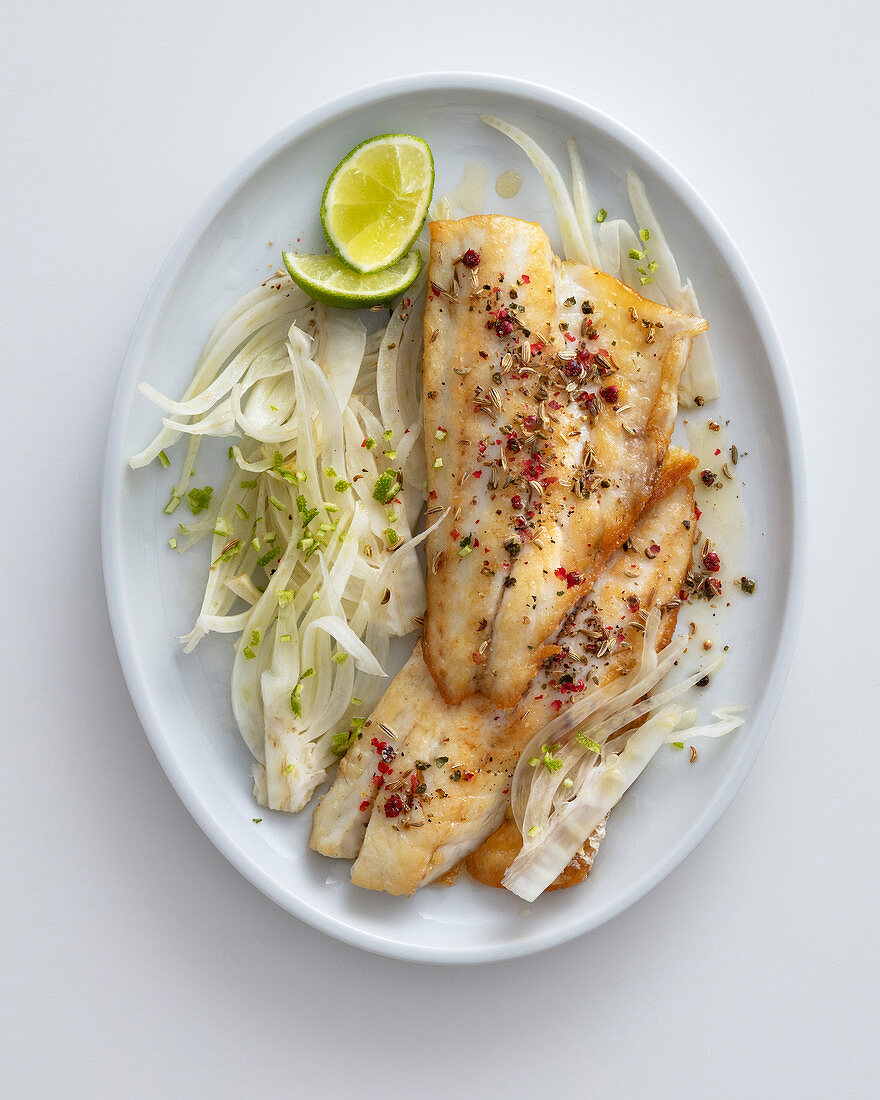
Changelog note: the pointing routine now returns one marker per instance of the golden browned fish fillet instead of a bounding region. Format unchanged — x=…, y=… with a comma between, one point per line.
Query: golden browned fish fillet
x=442, y=773
x=627, y=578
x=469, y=397
x=413, y=706
x=550, y=396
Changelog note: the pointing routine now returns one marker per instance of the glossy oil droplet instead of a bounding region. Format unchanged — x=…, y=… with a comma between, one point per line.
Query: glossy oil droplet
x=508, y=184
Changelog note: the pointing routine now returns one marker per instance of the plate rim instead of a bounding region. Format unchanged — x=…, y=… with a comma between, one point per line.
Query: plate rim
x=113, y=472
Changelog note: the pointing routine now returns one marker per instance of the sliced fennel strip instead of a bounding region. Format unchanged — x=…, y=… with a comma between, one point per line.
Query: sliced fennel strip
x=616, y=248
x=556, y=820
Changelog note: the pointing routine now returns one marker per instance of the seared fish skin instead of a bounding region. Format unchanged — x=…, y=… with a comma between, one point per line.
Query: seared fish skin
x=550, y=395
x=445, y=786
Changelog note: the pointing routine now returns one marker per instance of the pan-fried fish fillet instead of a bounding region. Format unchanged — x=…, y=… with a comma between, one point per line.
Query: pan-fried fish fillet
x=469, y=396
x=445, y=774
x=412, y=706
x=550, y=396
x=489, y=863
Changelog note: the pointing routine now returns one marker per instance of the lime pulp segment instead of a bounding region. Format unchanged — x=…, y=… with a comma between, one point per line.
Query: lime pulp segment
x=377, y=199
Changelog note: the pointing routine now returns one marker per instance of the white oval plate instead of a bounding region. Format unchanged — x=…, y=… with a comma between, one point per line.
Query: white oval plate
x=153, y=594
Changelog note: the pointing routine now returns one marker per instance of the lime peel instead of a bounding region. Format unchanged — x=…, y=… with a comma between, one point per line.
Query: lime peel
x=326, y=279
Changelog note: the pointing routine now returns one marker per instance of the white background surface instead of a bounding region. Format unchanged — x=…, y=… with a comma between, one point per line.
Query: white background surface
x=135, y=960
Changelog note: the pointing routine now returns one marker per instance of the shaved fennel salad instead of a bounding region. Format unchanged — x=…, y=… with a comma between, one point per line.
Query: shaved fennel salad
x=311, y=562
x=312, y=568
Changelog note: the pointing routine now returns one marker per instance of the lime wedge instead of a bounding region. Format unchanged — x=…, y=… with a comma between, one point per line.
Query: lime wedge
x=376, y=201
x=326, y=279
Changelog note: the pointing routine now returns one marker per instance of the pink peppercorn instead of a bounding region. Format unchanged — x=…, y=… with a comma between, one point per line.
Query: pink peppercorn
x=394, y=806
x=711, y=561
